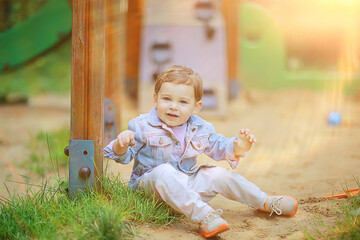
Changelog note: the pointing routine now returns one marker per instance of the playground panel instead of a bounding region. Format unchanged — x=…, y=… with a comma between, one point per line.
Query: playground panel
x=39, y=32
x=172, y=34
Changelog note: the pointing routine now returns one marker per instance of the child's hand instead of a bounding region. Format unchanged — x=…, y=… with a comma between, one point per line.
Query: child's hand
x=244, y=142
x=123, y=141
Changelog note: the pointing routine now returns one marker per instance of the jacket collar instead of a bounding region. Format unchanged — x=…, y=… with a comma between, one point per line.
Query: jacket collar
x=154, y=119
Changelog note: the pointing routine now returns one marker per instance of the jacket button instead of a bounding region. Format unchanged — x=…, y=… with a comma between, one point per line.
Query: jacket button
x=193, y=130
x=161, y=141
x=176, y=143
x=198, y=145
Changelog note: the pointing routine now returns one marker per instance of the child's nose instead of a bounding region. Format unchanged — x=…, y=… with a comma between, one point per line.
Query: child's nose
x=173, y=105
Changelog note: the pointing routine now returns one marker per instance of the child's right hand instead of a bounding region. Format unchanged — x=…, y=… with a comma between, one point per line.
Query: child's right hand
x=123, y=141
x=244, y=142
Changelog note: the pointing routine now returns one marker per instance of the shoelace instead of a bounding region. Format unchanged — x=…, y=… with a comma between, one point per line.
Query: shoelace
x=275, y=207
x=212, y=215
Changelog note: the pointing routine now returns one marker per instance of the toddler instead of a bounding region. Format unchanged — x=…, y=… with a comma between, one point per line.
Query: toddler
x=165, y=143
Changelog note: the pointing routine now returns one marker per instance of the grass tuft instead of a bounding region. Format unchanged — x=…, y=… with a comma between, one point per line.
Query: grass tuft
x=347, y=225
x=48, y=213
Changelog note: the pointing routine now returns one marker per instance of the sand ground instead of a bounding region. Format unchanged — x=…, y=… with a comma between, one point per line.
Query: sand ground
x=296, y=153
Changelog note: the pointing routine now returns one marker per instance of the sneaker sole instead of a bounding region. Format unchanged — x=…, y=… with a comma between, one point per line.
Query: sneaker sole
x=220, y=229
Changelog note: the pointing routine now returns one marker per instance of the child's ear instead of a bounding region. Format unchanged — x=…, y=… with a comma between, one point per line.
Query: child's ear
x=197, y=107
x=155, y=98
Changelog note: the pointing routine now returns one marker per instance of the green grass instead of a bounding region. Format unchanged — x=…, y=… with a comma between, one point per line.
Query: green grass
x=46, y=212
x=347, y=225
x=40, y=160
x=49, y=213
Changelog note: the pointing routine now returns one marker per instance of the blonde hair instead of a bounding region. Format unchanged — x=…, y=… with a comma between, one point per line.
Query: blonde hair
x=180, y=74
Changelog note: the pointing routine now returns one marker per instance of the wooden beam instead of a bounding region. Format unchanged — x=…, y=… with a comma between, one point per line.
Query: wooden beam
x=134, y=16
x=5, y=11
x=88, y=76
x=230, y=10
x=115, y=54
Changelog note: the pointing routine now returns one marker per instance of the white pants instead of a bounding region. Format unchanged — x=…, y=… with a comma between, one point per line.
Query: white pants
x=189, y=194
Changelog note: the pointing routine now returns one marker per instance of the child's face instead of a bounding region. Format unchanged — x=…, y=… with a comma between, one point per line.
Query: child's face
x=175, y=103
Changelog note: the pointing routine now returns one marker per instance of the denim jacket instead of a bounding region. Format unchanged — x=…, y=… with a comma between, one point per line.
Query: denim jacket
x=157, y=144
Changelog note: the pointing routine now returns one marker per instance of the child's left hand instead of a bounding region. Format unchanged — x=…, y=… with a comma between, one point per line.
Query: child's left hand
x=244, y=142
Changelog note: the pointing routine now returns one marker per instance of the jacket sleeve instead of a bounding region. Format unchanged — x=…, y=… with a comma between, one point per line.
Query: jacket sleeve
x=221, y=148
x=131, y=151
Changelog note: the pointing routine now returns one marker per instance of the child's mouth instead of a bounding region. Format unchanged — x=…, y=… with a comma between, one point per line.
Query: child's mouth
x=172, y=115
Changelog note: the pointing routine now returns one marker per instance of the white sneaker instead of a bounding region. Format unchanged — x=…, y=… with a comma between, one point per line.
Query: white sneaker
x=213, y=224
x=281, y=205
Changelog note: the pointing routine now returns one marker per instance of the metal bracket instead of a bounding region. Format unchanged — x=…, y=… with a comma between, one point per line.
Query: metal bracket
x=81, y=166
x=109, y=120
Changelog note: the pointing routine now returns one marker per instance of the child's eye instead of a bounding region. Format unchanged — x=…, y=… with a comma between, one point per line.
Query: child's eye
x=166, y=98
x=183, y=102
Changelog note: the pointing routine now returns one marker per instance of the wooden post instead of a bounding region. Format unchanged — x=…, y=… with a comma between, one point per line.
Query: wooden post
x=88, y=76
x=133, y=45
x=230, y=10
x=114, y=54
x=3, y=20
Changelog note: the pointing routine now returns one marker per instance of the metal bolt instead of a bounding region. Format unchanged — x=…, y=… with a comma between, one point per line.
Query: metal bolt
x=84, y=172
x=67, y=150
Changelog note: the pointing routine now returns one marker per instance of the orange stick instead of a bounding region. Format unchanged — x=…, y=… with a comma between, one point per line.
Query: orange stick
x=346, y=194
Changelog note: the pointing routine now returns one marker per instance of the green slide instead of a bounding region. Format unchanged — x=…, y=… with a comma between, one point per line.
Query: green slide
x=39, y=32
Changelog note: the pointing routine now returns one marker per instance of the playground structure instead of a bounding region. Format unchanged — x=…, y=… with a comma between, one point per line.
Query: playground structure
x=290, y=45
x=190, y=33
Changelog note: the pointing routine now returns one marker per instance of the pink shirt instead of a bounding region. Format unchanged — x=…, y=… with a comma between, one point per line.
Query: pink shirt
x=180, y=132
